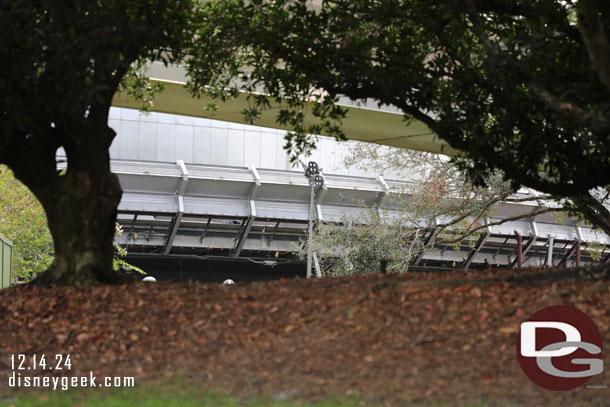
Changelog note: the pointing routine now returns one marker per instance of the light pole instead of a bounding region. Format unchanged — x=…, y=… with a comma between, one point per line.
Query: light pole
x=312, y=172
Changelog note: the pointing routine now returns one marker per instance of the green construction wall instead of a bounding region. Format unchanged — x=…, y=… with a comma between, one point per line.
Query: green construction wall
x=6, y=262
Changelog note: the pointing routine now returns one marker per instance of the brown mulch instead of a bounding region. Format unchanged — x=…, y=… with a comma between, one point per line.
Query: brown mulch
x=389, y=339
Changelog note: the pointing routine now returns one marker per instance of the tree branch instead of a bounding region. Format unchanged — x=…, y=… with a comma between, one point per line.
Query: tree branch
x=513, y=218
x=595, y=39
x=568, y=109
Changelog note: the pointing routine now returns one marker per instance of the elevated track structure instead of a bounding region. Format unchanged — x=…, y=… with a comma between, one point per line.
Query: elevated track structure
x=237, y=198
x=207, y=211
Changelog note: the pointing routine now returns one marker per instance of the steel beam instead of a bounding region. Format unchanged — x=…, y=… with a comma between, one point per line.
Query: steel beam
x=571, y=251
x=476, y=249
x=205, y=229
x=246, y=231
x=158, y=194
x=180, y=212
x=250, y=220
x=526, y=249
x=277, y=225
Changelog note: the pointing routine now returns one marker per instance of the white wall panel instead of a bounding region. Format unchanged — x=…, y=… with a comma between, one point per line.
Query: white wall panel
x=166, y=118
x=148, y=141
x=236, y=144
x=167, y=138
x=219, y=146
x=114, y=113
x=202, y=145
x=166, y=147
x=115, y=124
x=268, y=149
x=217, y=124
x=282, y=160
x=201, y=122
x=185, y=120
x=130, y=114
x=184, y=143
x=130, y=134
x=152, y=117
x=327, y=148
x=252, y=152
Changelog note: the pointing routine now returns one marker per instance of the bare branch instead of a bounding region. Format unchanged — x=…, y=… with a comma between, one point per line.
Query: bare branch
x=485, y=226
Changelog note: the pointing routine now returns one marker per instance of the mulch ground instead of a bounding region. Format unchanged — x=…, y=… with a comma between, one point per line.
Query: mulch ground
x=389, y=339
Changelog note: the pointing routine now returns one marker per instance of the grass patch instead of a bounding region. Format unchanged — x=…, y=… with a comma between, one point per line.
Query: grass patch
x=152, y=396
x=172, y=396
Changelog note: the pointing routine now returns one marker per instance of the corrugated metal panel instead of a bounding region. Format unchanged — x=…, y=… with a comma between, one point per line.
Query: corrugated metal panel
x=6, y=261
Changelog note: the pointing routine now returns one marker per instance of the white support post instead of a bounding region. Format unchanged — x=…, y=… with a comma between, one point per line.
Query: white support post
x=246, y=230
x=173, y=230
x=549, y=252
x=250, y=221
x=383, y=194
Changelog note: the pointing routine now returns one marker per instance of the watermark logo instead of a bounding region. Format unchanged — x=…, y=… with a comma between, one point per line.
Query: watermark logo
x=560, y=348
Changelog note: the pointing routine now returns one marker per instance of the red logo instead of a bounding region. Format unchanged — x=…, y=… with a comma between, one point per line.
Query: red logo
x=560, y=348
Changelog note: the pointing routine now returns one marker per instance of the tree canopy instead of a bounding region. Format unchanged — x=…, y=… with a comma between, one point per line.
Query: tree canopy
x=63, y=63
x=521, y=86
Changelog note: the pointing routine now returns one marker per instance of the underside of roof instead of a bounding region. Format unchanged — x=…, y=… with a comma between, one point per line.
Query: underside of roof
x=365, y=121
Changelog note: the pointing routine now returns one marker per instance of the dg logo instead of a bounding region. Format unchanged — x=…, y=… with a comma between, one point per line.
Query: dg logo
x=560, y=348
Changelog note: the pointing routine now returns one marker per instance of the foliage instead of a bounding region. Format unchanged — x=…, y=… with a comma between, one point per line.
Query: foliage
x=439, y=208
x=65, y=62
x=118, y=264
x=22, y=220
x=511, y=84
x=138, y=86
x=521, y=86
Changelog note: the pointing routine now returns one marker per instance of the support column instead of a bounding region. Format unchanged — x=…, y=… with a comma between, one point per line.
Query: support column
x=250, y=221
x=383, y=194
x=569, y=253
x=477, y=248
x=519, y=250
x=549, y=252
x=178, y=217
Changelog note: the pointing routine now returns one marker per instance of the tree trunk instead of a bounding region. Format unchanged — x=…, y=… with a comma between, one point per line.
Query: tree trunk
x=81, y=217
x=80, y=204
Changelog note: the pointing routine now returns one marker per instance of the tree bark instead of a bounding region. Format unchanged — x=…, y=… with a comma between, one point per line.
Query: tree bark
x=81, y=220
x=80, y=204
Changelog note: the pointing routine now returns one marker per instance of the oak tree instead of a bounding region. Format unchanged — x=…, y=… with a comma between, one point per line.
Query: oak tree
x=62, y=64
x=517, y=85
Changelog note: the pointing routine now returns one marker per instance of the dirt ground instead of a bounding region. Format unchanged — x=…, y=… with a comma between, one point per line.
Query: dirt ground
x=389, y=339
